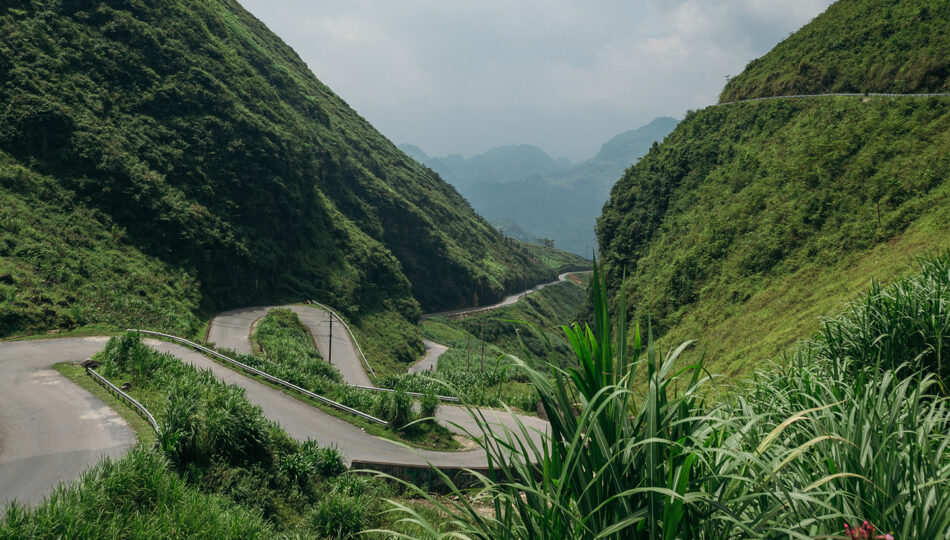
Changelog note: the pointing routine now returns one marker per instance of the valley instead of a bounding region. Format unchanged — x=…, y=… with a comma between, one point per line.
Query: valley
x=232, y=307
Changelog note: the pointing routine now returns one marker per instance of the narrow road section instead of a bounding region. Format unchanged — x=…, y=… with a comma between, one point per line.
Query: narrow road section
x=507, y=301
x=302, y=421
x=431, y=359
x=232, y=330
x=51, y=429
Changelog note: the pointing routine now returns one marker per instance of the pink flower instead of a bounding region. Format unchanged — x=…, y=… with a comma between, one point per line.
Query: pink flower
x=865, y=532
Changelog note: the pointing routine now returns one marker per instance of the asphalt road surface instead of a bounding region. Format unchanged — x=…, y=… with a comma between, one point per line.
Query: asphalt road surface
x=431, y=359
x=51, y=429
x=234, y=334
x=507, y=301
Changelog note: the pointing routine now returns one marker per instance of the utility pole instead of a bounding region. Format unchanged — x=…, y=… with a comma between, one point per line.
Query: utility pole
x=483, y=346
x=330, y=359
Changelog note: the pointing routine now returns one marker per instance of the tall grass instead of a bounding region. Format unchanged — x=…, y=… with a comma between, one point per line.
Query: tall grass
x=634, y=451
x=136, y=496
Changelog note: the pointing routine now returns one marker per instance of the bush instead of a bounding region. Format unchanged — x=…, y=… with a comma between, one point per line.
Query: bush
x=428, y=405
x=328, y=461
x=339, y=516
x=396, y=408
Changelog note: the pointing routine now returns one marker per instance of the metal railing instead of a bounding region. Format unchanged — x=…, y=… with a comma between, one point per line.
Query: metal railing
x=413, y=394
x=352, y=337
x=122, y=395
x=357, y=343
x=264, y=375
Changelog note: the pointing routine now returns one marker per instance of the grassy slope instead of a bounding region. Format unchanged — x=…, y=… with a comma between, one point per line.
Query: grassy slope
x=752, y=220
x=204, y=142
x=885, y=46
x=66, y=265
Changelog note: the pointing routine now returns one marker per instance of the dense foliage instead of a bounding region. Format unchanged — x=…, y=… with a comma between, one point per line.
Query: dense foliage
x=205, y=144
x=288, y=353
x=67, y=266
x=886, y=46
x=220, y=470
x=750, y=220
x=820, y=440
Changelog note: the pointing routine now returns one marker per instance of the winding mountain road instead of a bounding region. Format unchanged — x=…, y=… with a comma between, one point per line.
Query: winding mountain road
x=50, y=428
x=232, y=330
x=507, y=301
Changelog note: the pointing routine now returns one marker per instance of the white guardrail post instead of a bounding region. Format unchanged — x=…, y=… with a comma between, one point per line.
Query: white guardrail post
x=265, y=375
x=118, y=391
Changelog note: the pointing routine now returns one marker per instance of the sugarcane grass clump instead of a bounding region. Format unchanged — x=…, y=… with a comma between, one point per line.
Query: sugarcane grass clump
x=635, y=451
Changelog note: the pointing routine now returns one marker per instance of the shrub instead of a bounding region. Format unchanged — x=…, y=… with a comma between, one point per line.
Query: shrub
x=396, y=408
x=339, y=516
x=428, y=405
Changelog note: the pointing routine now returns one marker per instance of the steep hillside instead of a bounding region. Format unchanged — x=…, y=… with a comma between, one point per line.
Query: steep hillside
x=881, y=46
x=210, y=149
x=752, y=220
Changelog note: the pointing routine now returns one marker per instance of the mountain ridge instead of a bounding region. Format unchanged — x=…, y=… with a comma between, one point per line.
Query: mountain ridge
x=753, y=219
x=551, y=200
x=203, y=142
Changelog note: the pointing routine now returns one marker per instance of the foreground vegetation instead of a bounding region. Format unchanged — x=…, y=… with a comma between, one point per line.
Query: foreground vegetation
x=219, y=470
x=841, y=430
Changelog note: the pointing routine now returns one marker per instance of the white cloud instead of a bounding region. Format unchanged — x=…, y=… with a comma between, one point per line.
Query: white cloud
x=462, y=76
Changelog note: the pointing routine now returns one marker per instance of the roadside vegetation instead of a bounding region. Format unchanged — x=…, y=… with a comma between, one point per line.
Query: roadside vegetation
x=219, y=470
x=288, y=353
x=478, y=366
x=849, y=427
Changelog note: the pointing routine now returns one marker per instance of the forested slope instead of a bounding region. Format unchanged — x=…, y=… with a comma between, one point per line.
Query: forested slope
x=881, y=46
x=216, y=161
x=751, y=220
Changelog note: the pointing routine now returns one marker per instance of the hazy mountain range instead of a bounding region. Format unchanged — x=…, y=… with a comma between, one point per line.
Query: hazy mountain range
x=545, y=197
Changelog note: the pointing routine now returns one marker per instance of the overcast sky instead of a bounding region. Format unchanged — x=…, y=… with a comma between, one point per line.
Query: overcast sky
x=463, y=76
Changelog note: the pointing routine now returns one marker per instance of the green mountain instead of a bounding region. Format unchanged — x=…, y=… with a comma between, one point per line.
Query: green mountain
x=752, y=220
x=159, y=159
x=547, y=197
x=881, y=46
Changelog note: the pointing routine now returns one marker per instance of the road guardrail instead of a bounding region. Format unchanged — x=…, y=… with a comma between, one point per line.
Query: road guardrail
x=350, y=333
x=264, y=375
x=122, y=395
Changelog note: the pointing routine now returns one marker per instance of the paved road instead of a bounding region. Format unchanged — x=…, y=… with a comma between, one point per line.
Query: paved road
x=302, y=421
x=51, y=429
x=431, y=359
x=235, y=335
x=507, y=301
x=232, y=330
x=839, y=94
